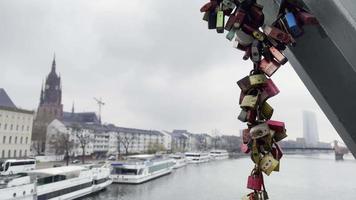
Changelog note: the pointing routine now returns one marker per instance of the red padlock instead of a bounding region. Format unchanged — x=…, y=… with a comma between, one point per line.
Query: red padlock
x=268, y=90
x=280, y=58
x=255, y=181
x=306, y=18
x=279, y=128
x=269, y=67
x=209, y=6
x=277, y=152
x=277, y=34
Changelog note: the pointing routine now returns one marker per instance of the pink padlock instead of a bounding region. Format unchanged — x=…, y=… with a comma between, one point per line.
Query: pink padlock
x=244, y=148
x=255, y=182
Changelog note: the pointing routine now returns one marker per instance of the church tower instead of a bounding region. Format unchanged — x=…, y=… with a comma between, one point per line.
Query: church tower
x=50, y=107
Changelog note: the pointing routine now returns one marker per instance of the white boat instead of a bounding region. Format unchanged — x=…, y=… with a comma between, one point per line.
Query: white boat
x=219, y=154
x=179, y=160
x=197, y=157
x=69, y=182
x=19, y=186
x=140, y=168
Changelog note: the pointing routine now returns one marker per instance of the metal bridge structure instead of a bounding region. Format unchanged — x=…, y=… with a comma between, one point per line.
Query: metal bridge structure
x=325, y=60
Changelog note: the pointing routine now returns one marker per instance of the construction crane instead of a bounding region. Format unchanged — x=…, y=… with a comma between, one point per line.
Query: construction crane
x=100, y=103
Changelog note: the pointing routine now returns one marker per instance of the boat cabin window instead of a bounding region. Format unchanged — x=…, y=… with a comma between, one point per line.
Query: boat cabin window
x=193, y=155
x=50, y=179
x=125, y=171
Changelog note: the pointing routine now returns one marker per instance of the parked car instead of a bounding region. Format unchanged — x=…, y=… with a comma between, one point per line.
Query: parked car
x=76, y=161
x=112, y=158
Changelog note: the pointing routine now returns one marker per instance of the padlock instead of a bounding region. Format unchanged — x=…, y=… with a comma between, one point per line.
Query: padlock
x=220, y=20
x=243, y=38
x=239, y=18
x=257, y=79
x=280, y=58
x=277, y=34
x=260, y=131
x=293, y=27
x=246, y=4
x=246, y=136
x=248, y=197
x=229, y=4
x=266, y=110
x=279, y=128
x=255, y=51
x=244, y=84
x=269, y=90
x=230, y=22
x=277, y=152
x=265, y=195
x=258, y=35
x=249, y=101
x=208, y=6
x=307, y=18
x=247, y=116
x=212, y=20
x=206, y=16
x=255, y=155
x=268, y=164
x=265, y=143
x=269, y=67
x=231, y=34
x=255, y=181
x=248, y=29
x=257, y=15
x=244, y=148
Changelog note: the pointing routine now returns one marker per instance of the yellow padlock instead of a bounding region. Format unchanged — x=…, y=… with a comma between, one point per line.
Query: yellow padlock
x=249, y=101
x=257, y=79
x=268, y=164
x=258, y=35
x=266, y=110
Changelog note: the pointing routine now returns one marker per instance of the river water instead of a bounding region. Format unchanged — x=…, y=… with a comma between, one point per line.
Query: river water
x=302, y=177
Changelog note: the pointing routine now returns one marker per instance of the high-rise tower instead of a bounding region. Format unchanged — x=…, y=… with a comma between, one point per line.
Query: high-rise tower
x=310, y=128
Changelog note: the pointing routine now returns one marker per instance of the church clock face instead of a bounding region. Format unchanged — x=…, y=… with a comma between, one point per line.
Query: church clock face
x=57, y=87
x=47, y=86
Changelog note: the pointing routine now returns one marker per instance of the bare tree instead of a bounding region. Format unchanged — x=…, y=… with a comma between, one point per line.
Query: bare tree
x=127, y=141
x=62, y=144
x=215, y=137
x=83, y=138
x=36, y=147
x=119, y=142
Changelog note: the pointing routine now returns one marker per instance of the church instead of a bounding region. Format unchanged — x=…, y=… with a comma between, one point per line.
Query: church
x=50, y=108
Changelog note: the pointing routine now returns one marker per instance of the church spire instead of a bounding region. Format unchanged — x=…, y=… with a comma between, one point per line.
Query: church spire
x=41, y=97
x=54, y=63
x=73, y=107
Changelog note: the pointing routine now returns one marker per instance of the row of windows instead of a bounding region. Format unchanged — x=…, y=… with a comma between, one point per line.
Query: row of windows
x=64, y=191
x=13, y=154
x=15, y=142
x=11, y=127
x=18, y=117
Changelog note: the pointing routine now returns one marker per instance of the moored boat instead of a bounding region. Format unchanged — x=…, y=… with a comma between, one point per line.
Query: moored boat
x=197, y=157
x=179, y=160
x=141, y=168
x=19, y=186
x=219, y=154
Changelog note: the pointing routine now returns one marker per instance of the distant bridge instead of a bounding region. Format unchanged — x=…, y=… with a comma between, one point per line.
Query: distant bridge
x=309, y=148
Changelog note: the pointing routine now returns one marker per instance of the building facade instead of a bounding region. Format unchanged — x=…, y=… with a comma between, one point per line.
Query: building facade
x=15, y=129
x=105, y=140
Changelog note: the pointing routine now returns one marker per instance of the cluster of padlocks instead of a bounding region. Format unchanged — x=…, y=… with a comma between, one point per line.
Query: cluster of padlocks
x=263, y=45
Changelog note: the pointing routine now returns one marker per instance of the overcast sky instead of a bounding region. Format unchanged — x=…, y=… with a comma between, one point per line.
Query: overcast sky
x=154, y=63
